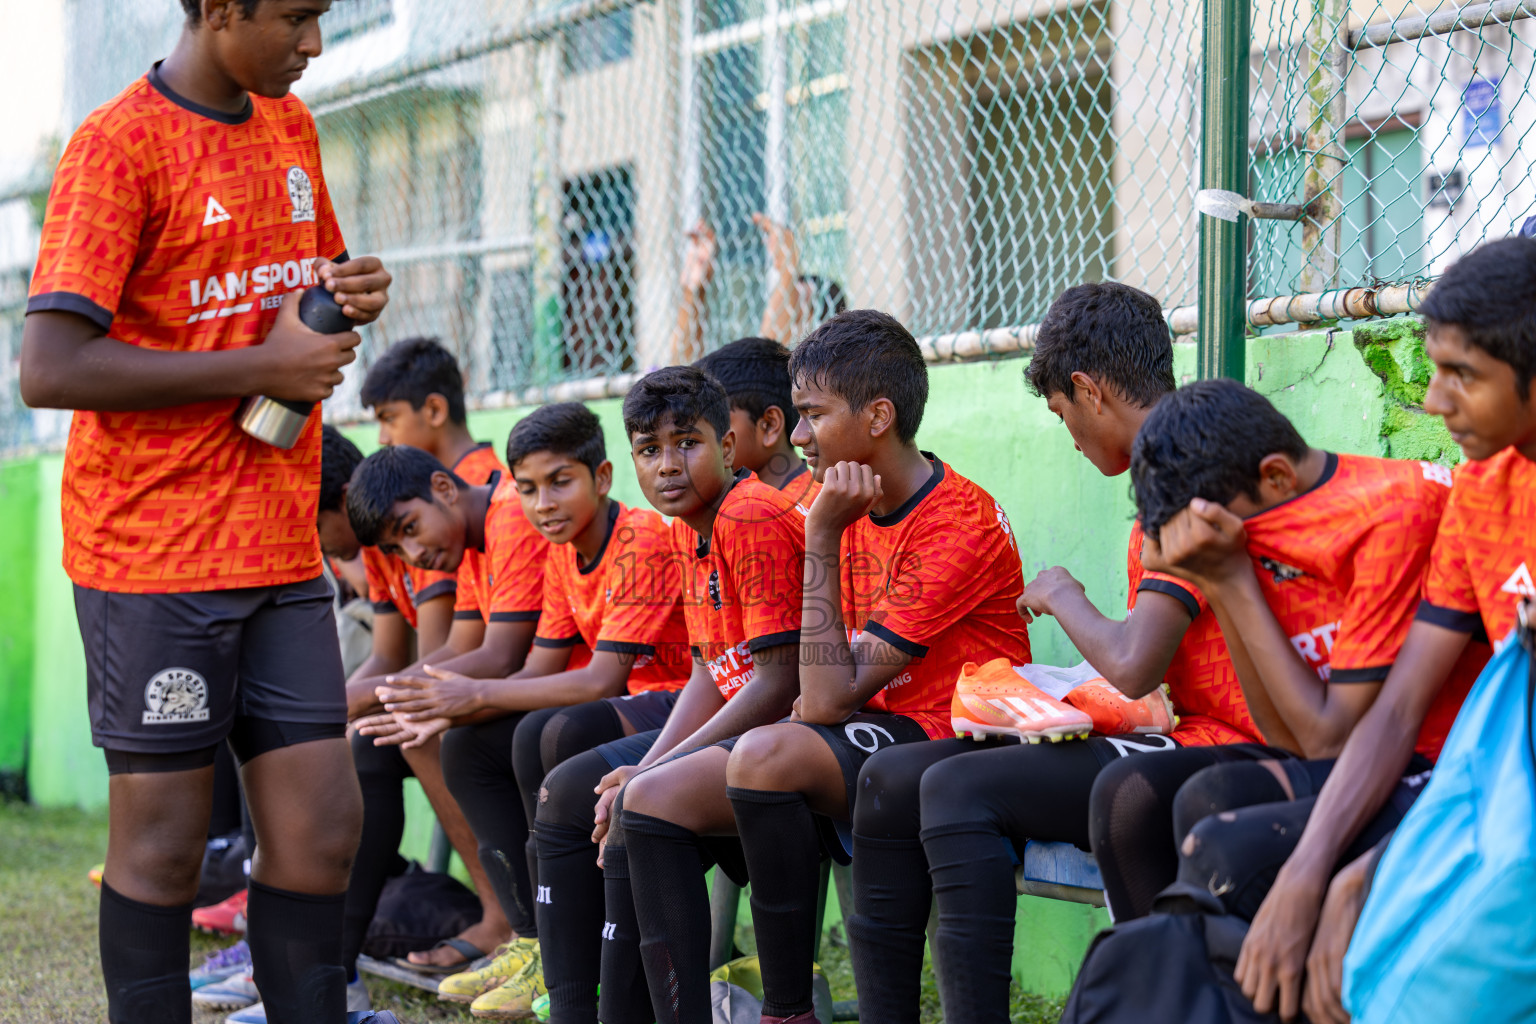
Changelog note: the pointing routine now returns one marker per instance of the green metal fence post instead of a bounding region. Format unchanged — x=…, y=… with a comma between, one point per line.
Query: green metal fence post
x=1224, y=164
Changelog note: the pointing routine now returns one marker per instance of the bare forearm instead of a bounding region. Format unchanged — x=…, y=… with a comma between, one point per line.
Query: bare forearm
x=529, y=693
x=105, y=374
x=1132, y=666
x=1300, y=699
x=766, y=699
x=481, y=663
x=827, y=671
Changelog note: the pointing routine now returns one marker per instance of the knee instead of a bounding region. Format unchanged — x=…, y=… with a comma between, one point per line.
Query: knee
x=567, y=796
x=159, y=860
x=947, y=795
x=887, y=796
x=1122, y=801
x=647, y=793
x=766, y=758
x=1206, y=849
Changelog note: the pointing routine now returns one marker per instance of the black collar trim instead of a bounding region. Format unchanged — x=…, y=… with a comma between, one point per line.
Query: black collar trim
x=934, y=479
x=476, y=448
x=1330, y=467
x=221, y=116
x=613, y=517
x=702, y=551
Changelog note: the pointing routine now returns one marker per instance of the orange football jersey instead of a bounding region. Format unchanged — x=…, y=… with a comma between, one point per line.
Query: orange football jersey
x=1480, y=567
x=742, y=588
x=802, y=488
x=394, y=586
x=1343, y=564
x=938, y=580
x=477, y=465
x=1206, y=693
x=179, y=228
x=624, y=601
x=505, y=582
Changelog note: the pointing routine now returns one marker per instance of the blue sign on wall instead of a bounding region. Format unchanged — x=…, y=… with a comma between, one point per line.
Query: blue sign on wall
x=1482, y=115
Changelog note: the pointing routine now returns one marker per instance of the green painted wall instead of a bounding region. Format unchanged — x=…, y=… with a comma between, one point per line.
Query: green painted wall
x=18, y=552
x=1353, y=392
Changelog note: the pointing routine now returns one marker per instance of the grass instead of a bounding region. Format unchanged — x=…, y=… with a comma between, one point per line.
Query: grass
x=50, y=970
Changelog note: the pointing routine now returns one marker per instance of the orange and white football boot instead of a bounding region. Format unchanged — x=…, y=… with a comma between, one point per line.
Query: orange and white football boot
x=994, y=700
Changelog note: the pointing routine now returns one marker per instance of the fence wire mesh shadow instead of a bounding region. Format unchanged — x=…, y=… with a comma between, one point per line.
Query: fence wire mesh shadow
x=537, y=175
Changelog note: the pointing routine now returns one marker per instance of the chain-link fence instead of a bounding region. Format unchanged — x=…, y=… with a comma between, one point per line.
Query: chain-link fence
x=570, y=193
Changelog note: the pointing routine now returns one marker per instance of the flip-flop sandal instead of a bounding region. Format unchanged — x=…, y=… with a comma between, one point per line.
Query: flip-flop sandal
x=463, y=946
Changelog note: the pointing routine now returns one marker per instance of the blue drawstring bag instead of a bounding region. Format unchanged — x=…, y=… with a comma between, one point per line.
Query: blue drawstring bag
x=1448, y=932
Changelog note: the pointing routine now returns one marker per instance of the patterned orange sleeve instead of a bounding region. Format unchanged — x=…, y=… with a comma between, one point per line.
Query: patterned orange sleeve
x=1142, y=578
x=647, y=583
x=767, y=561
x=515, y=553
x=431, y=585
x=90, y=239
x=466, y=602
x=1379, y=607
x=378, y=587
x=1450, y=595
x=557, y=626
x=936, y=585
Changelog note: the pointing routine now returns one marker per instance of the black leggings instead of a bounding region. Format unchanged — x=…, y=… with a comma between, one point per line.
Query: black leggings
x=381, y=774
x=979, y=810
x=495, y=769
x=477, y=766
x=1239, y=825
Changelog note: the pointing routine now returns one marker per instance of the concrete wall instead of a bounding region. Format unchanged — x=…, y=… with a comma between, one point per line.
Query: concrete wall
x=1353, y=392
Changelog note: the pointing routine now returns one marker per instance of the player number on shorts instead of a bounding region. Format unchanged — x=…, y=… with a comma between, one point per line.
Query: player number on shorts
x=866, y=736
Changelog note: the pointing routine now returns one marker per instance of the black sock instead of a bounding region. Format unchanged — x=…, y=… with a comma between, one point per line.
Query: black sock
x=144, y=954
x=672, y=910
x=626, y=997
x=972, y=871
x=778, y=835
x=508, y=877
x=886, y=934
x=570, y=912
x=381, y=774
x=295, y=941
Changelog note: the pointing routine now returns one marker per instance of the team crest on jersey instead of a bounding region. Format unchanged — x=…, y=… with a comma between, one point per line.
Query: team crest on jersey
x=176, y=695
x=301, y=195
x=1281, y=572
x=714, y=588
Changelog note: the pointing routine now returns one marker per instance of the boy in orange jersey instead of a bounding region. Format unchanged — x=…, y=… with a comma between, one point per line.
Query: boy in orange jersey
x=416, y=391
x=1102, y=361
x=406, y=601
x=911, y=572
x=611, y=591
x=1482, y=338
x=185, y=216
x=740, y=544
x=755, y=375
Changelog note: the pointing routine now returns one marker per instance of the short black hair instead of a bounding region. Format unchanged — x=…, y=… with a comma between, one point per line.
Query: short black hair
x=864, y=354
x=686, y=393
x=1490, y=293
x=1110, y=331
x=339, y=459
x=755, y=374
x=194, y=9
x=566, y=428
x=413, y=369
x=393, y=474
x=1205, y=440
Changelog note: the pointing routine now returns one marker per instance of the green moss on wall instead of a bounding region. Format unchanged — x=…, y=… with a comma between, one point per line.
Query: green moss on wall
x=1394, y=351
